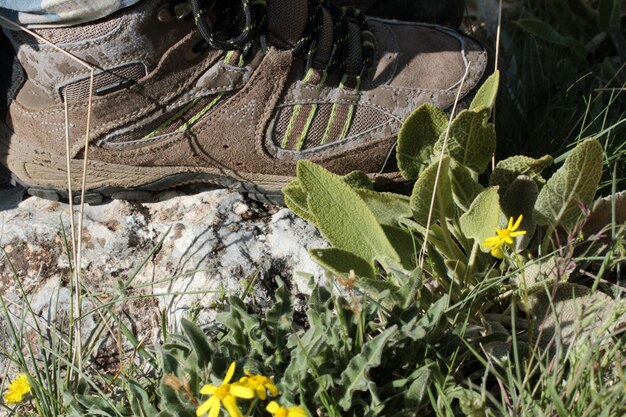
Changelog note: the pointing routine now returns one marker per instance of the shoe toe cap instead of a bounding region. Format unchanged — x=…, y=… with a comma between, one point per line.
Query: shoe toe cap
x=426, y=57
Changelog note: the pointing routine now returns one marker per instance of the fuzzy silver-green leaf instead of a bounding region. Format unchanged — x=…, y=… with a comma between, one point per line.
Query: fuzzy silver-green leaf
x=575, y=183
x=417, y=137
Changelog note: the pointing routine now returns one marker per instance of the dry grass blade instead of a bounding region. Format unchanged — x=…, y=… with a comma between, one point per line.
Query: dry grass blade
x=76, y=238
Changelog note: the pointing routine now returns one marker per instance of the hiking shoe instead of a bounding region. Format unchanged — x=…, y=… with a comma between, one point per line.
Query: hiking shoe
x=235, y=101
x=441, y=12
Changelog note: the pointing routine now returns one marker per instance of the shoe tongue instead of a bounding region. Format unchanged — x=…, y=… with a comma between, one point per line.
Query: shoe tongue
x=286, y=20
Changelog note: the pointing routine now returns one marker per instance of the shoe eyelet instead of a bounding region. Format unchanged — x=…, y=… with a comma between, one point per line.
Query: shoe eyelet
x=194, y=52
x=182, y=10
x=164, y=15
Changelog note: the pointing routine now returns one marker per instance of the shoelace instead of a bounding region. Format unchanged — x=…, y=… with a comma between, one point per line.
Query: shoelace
x=254, y=27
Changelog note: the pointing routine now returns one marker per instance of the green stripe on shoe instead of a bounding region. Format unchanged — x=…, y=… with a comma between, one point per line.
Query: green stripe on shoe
x=347, y=123
x=227, y=58
x=295, y=116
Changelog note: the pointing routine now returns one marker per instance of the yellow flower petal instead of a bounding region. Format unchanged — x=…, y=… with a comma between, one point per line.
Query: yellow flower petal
x=497, y=252
x=273, y=390
x=509, y=240
x=230, y=373
x=492, y=241
x=230, y=403
x=296, y=412
x=241, y=392
x=261, y=393
x=208, y=389
x=17, y=389
x=215, y=409
x=273, y=407
x=517, y=223
x=510, y=225
x=518, y=233
x=207, y=405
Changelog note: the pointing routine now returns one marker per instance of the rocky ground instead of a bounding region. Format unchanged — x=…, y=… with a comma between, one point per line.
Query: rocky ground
x=175, y=257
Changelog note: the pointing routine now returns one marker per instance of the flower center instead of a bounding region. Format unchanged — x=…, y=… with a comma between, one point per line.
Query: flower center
x=223, y=391
x=504, y=233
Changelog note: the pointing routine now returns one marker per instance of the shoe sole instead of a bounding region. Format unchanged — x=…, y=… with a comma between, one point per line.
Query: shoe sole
x=122, y=182
x=29, y=166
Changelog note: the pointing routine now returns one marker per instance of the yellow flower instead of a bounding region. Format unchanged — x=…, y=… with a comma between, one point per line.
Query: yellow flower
x=504, y=236
x=18, y=388
x=225, y=394
x=259, y=384
x=278, y=411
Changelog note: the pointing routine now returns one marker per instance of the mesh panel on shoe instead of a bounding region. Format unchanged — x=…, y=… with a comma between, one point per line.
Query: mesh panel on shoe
x=79, y=90
x=364, y=119
x=59, y=36
x=325, y=42
x=286, y=21
x=354, y=59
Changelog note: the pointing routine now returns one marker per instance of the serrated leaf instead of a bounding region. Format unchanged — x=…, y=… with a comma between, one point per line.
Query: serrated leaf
x=546, y=32
x=575, y=183
x=341, y=262
x=465, y=188
x=356, y=375
x=388, y=208
x=417, y=137
x=342, y=215
x=483, y=217
x=519, y=199
x=471, y=139
x=509, y=169
x=426, y=184
x=486, y=95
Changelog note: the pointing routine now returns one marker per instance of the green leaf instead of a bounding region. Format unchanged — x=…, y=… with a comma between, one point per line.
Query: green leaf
x=435, y=313
x=356, y=375
x=404, y=244
x=418, y=390
x=423, y=189
x=358, y=179
x=483, y=217
x=519, y=199
x=546, y=32
x=486, y=95
x=388, y=208
x=509, y=169
x=342, y=216
x=575, y=183
x=465, y=188
x=341, y=262
x=139, y=400
x=199, y=341
x=471, y=140
x=296, y=197
x=417, y=137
